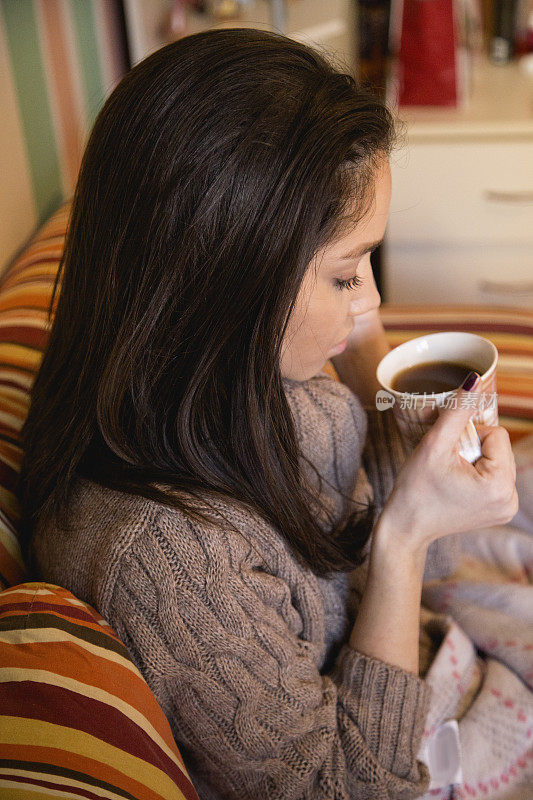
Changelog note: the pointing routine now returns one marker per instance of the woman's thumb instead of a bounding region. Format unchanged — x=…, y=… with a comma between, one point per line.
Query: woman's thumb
x=454, y=416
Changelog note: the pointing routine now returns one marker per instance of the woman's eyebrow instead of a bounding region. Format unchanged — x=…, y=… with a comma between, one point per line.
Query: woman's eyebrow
x=361, y=250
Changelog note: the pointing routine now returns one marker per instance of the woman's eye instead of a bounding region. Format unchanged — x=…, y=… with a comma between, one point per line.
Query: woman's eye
x=352, y=283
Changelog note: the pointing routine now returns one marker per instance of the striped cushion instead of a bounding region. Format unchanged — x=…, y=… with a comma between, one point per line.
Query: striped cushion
x=25, y=293
x=76, y=717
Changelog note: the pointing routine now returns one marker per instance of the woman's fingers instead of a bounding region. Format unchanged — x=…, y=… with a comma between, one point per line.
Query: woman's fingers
x=483, y=430
x=495, y=443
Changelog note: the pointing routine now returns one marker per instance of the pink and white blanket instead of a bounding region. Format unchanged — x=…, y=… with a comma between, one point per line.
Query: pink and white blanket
x=482, y=672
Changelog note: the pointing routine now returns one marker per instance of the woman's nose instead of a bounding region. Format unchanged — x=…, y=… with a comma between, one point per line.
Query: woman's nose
x=362, y=305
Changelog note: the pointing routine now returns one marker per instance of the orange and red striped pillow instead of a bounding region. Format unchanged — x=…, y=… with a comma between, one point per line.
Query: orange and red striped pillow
x=76, y=716
x=25, y=294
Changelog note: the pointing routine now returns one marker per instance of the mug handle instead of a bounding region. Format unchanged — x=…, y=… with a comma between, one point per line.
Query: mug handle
x=470, y=444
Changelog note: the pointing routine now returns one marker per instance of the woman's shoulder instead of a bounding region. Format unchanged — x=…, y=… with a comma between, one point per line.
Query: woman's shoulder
x=79, y=551
x=109, y=527
x=232, y=557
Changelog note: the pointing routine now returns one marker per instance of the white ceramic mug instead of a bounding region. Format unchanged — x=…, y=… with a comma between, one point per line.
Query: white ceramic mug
x=416, y=413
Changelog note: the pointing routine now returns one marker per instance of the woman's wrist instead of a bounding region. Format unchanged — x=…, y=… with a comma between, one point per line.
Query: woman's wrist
x=397, y=544
x=387, y=622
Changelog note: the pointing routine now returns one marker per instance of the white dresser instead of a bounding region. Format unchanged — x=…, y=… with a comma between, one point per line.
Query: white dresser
x=460, y=228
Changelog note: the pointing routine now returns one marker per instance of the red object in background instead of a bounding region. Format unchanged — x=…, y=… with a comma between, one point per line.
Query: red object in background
x=427, y=59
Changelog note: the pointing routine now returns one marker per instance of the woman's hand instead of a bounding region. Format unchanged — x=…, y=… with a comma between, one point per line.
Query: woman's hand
x=437, y=492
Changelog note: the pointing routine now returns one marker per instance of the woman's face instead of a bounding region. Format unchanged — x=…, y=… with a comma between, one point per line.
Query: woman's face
x=326, y=310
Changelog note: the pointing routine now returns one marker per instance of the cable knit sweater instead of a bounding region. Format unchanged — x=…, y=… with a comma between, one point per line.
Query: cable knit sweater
x=247, y=651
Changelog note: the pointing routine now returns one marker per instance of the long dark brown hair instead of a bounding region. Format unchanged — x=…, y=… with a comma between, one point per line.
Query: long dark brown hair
x=214, y=172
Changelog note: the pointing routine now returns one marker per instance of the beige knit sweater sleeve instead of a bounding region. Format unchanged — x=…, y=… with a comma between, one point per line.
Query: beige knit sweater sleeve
x=232, y=654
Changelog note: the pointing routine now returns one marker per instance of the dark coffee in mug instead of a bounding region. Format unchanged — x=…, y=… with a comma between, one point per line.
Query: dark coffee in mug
x=432, y=377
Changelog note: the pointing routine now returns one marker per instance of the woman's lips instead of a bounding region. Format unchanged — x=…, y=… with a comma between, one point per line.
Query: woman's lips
x=338, y=348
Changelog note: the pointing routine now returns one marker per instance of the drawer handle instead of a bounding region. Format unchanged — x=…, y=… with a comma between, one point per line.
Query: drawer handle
x=501, y=287
x=494, y=196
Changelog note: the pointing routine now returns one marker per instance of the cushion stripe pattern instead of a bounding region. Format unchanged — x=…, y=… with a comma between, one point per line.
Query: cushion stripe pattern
x=25, y=294
x=69, y=688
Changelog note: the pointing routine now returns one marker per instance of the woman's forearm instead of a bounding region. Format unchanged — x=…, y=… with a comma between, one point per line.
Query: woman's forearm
x=387, y=625
x=356, y=366
x=388, y=619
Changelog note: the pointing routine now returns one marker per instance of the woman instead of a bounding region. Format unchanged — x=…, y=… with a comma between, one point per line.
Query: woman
x=189, y=469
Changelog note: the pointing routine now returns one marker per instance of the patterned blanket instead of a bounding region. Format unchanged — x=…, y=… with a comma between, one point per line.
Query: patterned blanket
x=479, y=654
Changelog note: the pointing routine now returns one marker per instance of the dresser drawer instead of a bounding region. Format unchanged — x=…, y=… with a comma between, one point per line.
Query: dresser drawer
x=477, y=192
x=458, y=273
